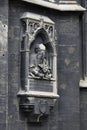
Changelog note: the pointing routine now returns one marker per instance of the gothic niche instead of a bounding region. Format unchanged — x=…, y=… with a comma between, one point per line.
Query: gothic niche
x=38, y=91
x=40, y=66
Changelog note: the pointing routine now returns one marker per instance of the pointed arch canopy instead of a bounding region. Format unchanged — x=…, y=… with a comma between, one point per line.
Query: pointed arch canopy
x=40, y=25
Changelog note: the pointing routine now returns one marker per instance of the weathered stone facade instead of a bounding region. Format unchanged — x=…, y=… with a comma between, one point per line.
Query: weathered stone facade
x=70, y=110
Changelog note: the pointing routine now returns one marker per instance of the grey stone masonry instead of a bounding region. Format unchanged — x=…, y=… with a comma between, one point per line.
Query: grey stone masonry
x=71, y=105
x=3, y=64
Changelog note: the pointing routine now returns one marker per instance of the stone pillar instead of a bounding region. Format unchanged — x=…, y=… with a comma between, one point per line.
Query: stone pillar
x=83, y=82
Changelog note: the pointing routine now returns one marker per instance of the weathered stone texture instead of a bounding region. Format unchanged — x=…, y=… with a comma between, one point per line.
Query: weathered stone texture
x=83, y=108
x=3, y=63
x=83, y=91
x=66, y=113
x=69, y=72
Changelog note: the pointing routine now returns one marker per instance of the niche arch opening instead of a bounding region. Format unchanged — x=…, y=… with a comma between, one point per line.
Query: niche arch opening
x=41, y=56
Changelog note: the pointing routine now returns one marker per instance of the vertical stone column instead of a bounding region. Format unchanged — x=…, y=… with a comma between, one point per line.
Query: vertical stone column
x=25, y=62
x=83, y=82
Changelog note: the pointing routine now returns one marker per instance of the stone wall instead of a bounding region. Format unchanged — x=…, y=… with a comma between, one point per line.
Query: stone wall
x=69, y=70
x=83, y=90
x=3, y=64
x=66, y=113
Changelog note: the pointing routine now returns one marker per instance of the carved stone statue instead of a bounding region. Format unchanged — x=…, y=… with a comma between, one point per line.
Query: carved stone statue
x=39, y=67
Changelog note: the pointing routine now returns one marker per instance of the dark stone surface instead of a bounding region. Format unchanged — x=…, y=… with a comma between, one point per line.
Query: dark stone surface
x=85, y=31
x=83, y=108
x=66, y=113
x=83, y=91
x=69, y=72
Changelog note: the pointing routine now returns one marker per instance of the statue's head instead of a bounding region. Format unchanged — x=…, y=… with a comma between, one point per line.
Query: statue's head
x=40, y=48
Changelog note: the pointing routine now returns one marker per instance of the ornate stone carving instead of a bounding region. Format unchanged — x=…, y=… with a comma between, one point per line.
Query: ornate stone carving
x=39, y=67
x=33, y=23
x=38, y=74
